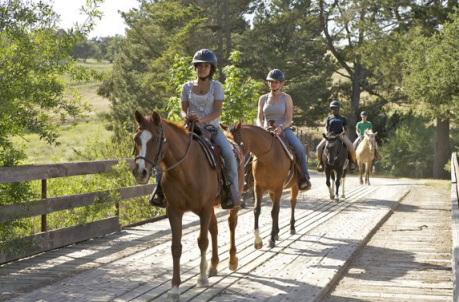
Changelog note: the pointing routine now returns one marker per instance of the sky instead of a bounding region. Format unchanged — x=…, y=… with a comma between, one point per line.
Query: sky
x=111, y=22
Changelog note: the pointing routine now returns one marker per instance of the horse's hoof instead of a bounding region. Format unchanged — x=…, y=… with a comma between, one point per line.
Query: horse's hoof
x=203, y=281
x=342, y=196
x=276, y=237
x=233, y=266
x=272, y=243
x=173, y=295
x=212, y=272
x=361, y=182
x=292, y=232
x=337, y=199
x=258, y=245
x=332, y=197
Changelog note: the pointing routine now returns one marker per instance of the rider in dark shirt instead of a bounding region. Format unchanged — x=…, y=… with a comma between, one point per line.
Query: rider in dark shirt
x=337, y=124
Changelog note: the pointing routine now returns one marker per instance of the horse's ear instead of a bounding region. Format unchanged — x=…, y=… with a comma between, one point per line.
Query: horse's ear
x=156, y=118
x=239, y=125
x=324, y=135
x=138, y=117
x=224, y=127
x=375, y=133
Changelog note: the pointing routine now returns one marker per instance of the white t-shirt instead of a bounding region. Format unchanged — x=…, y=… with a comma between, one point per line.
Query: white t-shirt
x=203, y=105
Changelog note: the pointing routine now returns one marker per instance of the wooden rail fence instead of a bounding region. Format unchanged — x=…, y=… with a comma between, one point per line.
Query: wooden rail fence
x=48, y=240
x=455, y=223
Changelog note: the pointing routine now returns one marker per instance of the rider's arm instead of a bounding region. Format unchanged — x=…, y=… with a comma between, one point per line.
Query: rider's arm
x=217, y=112
x=260, y=116
x=288, y=111
x=184, y=110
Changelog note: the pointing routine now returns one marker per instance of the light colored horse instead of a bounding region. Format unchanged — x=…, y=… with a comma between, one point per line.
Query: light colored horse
x=366, y=153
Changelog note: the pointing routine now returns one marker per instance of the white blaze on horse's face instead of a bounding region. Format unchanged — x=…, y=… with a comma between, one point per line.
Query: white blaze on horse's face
x=144, y=137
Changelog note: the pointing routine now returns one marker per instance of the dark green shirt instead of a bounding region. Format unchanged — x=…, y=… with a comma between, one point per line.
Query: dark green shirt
x=362, y=126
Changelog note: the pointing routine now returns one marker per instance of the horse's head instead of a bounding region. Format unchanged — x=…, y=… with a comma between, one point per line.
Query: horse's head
x=236, y=131
x=332, y=147
x=369, y=138
x=149, y=143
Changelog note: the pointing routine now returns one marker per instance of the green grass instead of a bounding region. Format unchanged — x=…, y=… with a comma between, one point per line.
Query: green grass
x=73, y=138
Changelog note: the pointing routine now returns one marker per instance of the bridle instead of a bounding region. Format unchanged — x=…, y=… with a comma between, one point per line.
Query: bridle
x=161, y=151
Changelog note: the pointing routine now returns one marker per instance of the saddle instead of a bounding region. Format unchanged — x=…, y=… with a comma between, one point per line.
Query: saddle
x=296, y=165
x=204, y=135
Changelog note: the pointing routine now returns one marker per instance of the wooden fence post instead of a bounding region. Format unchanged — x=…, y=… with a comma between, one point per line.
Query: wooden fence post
x=44, y=195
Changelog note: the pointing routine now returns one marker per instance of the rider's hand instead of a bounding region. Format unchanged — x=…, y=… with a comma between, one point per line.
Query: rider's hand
x=278, y=131
x=192, y=116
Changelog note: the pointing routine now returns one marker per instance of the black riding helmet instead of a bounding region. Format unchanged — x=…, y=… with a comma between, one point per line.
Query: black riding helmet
x=275, y=75
x=205, y=56
x=334, y=104
x=364, y=113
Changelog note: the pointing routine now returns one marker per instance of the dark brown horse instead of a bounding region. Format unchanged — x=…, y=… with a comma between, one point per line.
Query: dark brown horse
x=189, y=184
x=271, y=171
x=334, y=157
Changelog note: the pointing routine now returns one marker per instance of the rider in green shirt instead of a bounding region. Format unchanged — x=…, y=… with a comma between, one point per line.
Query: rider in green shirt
x=360, y=128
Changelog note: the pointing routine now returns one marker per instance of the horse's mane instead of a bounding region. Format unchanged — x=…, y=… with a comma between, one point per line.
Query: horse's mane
x=174, y=125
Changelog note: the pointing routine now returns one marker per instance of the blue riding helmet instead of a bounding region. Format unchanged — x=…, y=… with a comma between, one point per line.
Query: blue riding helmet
x=275, y=75
x=335, y=104
x=364, y=113
x=205, y=56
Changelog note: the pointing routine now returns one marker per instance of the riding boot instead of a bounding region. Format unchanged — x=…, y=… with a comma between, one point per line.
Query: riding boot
x=157, y=197
x=233, y=199
x=304, y=184
x=352, y=161
x=377, y=156
x=320, y=165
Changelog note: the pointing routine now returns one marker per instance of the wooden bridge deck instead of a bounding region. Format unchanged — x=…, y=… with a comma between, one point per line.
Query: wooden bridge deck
x=135, y=264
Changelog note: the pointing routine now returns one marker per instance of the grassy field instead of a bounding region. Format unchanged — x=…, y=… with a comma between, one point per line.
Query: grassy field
x=73, y=137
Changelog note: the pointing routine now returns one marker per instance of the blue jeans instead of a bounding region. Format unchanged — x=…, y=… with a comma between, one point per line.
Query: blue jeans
x=299, y=149
x=228, y=155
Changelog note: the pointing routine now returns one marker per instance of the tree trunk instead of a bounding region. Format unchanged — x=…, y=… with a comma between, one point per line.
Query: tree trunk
x=442, y=149
x=355, y=99
x=220, y=40
x=227, y=31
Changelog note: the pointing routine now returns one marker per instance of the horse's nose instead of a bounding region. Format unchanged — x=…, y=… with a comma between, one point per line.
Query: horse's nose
x=134, y=172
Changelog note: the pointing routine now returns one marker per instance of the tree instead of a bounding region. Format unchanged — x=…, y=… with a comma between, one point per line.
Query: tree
x=287, y=35
x=368, y=39
x=431, y=79
x=34, y=56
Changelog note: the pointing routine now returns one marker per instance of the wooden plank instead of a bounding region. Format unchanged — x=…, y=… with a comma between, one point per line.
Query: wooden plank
x=34, y=172
x=49, y=205
x=62, y=237
x=455, y=225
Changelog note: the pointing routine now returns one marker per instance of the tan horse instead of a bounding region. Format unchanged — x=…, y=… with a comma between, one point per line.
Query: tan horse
x=365, y=154
x=271, y=171
x=189, y=184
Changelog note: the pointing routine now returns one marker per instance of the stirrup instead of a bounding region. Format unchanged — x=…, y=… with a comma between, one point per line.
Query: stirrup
x=320, y=167
x=157, y=198
x=304, y=184
x=233, y=199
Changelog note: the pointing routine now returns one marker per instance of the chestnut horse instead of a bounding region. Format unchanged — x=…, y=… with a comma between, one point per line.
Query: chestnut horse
x=189, y=184
x=334, y=157
x=270, y=168
x=365, y=154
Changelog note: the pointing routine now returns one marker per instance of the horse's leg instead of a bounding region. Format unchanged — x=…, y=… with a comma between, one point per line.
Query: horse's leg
x=367, y=178
x=203, y=242
x=337, y=182
x=342, y=186
x=213, y=229
x=175, y=220
x=271, y=194
x=257, y=210
x=329, y=185
x=332, y=175
x=275, y=217
x=361, y=171
x=232, y=221
x=293, y=198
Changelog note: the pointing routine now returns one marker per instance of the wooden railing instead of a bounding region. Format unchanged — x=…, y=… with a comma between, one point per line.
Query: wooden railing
x=48, y=240
x=455, y=223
